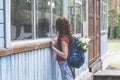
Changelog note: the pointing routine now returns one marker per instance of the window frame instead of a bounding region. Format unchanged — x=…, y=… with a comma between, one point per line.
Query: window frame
x=74, y=27
x=80, y=4
x=9, y=42
x=104, y=15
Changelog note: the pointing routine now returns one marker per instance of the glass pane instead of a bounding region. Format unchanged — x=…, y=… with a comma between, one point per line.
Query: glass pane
x=78, y=18
x=71, y=13
x=42, y=18
x=21, y=19
x=104, y=16
x=84, y=10
x=79, y=0
x=57, y=7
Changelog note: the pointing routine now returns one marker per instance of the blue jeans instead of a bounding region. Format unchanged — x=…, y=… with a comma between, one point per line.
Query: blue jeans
x=65, y=70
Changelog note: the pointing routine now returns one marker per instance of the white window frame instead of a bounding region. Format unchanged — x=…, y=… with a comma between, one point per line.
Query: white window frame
x=80, y=3
x=10, y=43
x=103, y=11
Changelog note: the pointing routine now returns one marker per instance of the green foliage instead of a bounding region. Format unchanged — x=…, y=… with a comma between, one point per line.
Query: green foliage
x=118, y=23
x=118, y=31
x=110, y=21
x=110, y=17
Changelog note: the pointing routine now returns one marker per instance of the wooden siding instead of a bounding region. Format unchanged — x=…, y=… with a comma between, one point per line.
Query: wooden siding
x=37, y=64
x=1, y=24
x=91, y=29
x=98, y=29
x=22, y=48
x=94, y=30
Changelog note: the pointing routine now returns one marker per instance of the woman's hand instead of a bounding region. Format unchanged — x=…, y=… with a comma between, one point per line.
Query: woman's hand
x=52, y=44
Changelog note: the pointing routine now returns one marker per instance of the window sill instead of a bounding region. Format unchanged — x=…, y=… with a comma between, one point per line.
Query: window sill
x=25, y=47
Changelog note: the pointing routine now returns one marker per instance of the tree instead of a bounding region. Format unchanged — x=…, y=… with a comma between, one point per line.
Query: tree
x=118, y=23
x=112, y=18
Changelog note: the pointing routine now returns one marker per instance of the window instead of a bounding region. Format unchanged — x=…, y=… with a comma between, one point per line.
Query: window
x=36, y=19
x=21, y=19
x=30, y=19
x=103, y=16
x=60, y=8
x=71, y=13
x=57, y=8
x=77, y=14
x=42, y=18
x=78, y=18
x=84, y=10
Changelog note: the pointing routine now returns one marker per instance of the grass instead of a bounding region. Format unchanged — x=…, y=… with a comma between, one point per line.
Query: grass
x=114, y=52
x=114, y=46
x=114, y=66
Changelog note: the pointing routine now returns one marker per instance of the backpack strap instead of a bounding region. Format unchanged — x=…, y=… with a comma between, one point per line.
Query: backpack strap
x=72, y=71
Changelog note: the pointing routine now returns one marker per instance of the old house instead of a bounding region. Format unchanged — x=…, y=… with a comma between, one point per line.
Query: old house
x=27, y=26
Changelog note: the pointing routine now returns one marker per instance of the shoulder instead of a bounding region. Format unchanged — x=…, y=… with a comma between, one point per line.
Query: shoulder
x=65, y=38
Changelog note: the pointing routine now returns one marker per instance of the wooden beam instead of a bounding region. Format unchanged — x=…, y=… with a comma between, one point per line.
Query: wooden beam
x=17, y=49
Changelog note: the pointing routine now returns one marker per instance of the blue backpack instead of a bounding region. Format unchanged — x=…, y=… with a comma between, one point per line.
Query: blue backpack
x=76, y=58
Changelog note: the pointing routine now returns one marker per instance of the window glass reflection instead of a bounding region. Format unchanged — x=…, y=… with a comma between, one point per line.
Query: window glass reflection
x=57, y=8
x=71, y=12
x=42, y=18
x=78, y=18
x=21, y=19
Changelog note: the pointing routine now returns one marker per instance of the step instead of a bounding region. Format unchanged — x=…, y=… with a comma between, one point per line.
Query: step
x=107, y=75
x=87, y=76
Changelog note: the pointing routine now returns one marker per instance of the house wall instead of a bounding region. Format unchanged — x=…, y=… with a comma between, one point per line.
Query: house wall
x=103, y=44
x=34, y=64
x=104, y=58
x=2, y=23
x=37, y=64
x=30, y=65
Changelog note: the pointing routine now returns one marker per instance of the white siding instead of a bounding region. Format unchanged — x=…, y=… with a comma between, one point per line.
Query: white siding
x=1, y=30
x=1, y=4
x=1, y=42
x=1, y=16
x=1, y=24
x=31, y=65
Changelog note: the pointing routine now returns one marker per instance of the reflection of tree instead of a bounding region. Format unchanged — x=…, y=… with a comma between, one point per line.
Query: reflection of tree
x=42, y=19
x=17, y=18
x=43, y=6
x=17, y=7
x=84, y=10
x=58, y=9
x=78, y=18
x=71, y=12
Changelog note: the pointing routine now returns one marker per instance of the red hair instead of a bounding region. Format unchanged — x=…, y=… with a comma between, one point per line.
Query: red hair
x=63, y=28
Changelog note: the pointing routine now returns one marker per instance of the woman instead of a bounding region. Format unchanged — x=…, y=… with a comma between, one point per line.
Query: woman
x=62, y=47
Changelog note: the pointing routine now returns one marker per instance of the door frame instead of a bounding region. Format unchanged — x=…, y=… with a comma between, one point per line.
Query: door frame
x=94, y=31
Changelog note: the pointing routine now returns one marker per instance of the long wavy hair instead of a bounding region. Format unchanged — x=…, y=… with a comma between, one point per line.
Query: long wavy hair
x=63, y=27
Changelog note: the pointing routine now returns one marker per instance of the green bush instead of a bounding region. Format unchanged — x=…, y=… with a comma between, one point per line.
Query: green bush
x=118, y=31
